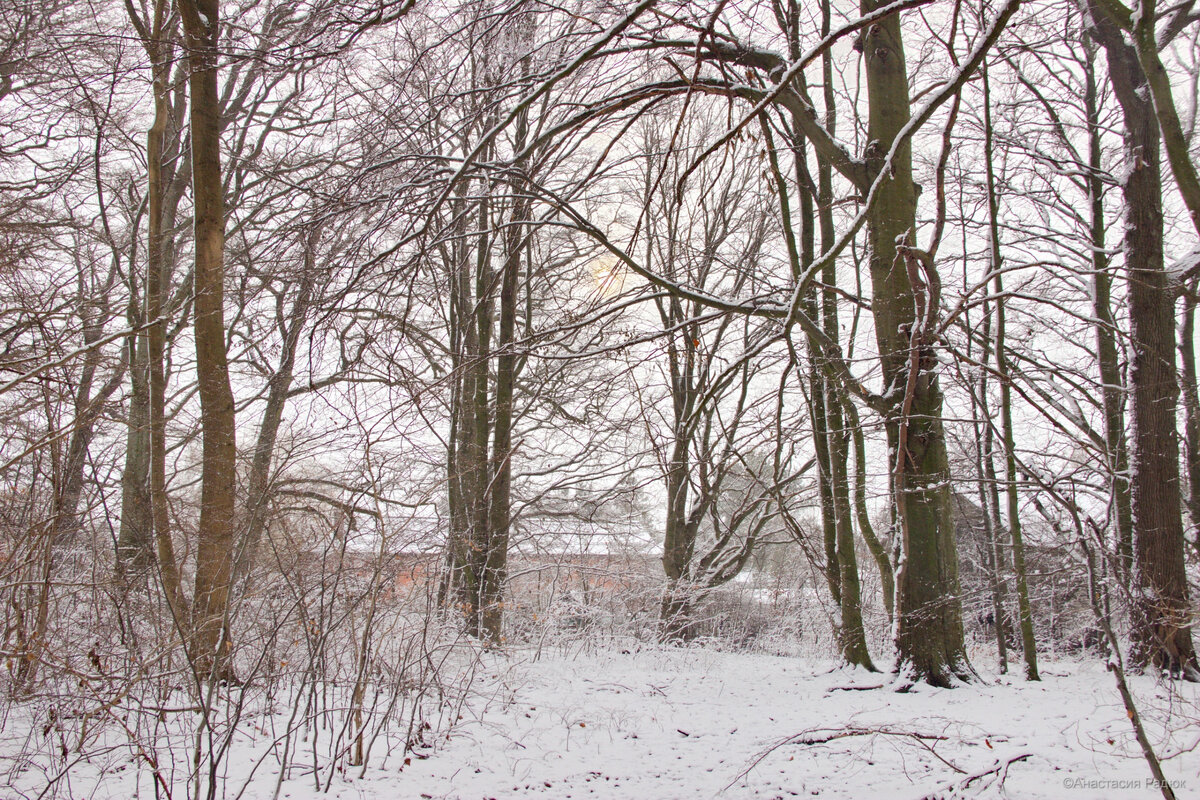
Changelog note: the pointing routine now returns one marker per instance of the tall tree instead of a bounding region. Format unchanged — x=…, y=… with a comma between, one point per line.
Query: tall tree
x=486, y=262
x=1162, y=610
x=145, y=533
x=1003, y=372
x=1112, y=384
x=217, y=531
x=929, y=635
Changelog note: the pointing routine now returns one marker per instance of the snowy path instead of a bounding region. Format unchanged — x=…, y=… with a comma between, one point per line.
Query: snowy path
x=659, y=725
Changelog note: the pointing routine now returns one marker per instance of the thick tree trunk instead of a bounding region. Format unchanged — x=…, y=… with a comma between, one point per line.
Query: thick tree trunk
x=470, y=425
x=677, y=613
x=929, y=634
x=1162, y=610
x=215, y=545
x=678, y=544
x=1162, y=630
x=477, y=429
x=480, y=452
x=468, y=470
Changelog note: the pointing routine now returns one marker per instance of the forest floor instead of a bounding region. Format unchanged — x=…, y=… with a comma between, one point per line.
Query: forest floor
x=662, y=724
x=653, y=723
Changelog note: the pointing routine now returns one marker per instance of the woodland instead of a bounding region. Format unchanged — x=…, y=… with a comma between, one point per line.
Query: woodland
x=349, y=347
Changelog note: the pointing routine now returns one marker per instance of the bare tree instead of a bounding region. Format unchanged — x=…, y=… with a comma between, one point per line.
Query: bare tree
x=1162, y=627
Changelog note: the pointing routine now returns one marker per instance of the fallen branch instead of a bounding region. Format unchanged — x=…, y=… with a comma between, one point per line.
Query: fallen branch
x=866, y=687
x=999, y=769
x=825, y=735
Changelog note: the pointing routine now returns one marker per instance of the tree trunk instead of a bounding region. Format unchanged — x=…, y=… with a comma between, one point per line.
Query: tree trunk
x=468, y=458
x=144, y=537
x=157, y=282
x=830, y=439
x=854, y=638
x=1112, y=390
x=1162, y=611
x=216, y=535
x=481, y=435
x=135, y=538
x=883, y=560
x=989, y=497
x=1024, y=612
x=457, y=563
x=995, y=521
x=500, y=512
x=678, y=613
x=678, y=544
x=818, y=411
x=478, y=427
x=929, y=634
x=820, y=431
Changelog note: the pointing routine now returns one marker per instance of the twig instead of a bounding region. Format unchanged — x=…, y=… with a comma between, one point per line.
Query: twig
x=810, y=737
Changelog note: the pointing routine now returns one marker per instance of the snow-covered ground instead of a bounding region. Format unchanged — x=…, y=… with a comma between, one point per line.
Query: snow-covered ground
x=662, y=723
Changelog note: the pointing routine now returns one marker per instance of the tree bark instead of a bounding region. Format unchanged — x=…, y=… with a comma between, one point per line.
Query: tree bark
x=830, y=435
x=883, y=561
x=1162, y=610
x=854, y=638
x=470, y=425
x=457, y=561
x=929, y=633
x=216, y=536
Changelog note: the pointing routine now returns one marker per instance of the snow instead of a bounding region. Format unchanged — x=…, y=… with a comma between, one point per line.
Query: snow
x=681, y=724
x=1184, y=268
x=664, y=723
